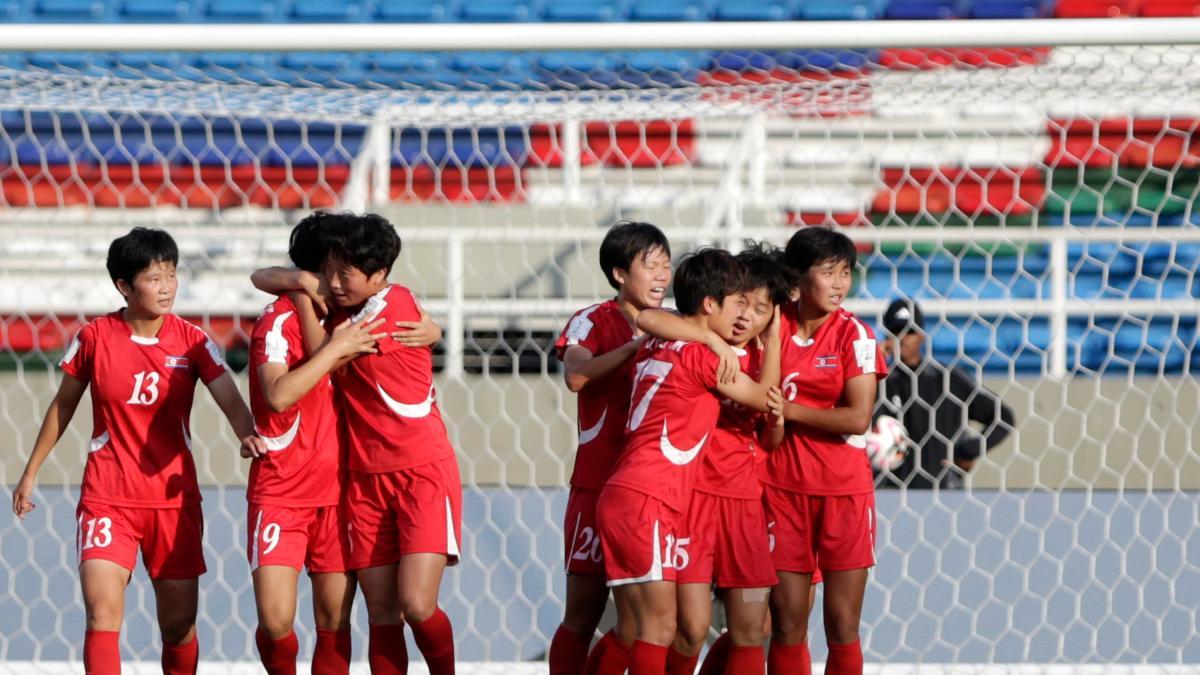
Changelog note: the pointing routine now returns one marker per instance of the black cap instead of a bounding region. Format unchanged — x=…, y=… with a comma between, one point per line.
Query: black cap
x=903, y=314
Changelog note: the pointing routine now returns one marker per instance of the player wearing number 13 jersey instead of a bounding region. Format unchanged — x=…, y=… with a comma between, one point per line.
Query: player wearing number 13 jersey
x=819, y=494
x=672, y=413
x=139, y=489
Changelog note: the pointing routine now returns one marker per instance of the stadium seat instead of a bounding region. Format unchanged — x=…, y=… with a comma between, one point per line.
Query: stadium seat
x=584, y=11
x=163, y=11
x=325, y=11
x=1095, y=9
x=753, y=10
x=416, y=11
x=487, y=147
x=667, y=10
x=497, y=11
x=70, y=10
x=841, y=10
x=828, y=60
x=661, y=68
x=923, y=9
x=242, y=11
x=1117, y=347
x=1170, y=8
x=1010, y=9
x=577, y=69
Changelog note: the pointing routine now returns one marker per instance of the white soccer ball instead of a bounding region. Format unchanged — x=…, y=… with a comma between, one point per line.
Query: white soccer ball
x=887, y=443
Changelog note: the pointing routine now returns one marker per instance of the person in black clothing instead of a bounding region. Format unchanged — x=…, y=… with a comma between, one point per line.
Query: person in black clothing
x=936, y=404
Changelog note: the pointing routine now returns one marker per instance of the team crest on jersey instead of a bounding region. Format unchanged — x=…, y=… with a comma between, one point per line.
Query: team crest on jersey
x=177, y=362
x=827, y=361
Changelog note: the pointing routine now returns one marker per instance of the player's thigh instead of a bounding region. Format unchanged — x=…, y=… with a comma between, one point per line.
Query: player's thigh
x=844, y=592
x=103, y=584
x=176, y=603
x=333, y=599
x=790, y=607
x=275, y=598
x=587, y=596
x=380, y=590
x=693, y=607
x=653, y=607
x=420, y=579
x=746, y=615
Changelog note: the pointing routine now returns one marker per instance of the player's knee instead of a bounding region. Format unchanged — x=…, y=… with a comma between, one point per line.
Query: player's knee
x=331, y=618
x=104, y=616
x=417, y=608
x=790, y=628
x=689, y=636
x=659, y=628
x=841, y=627
x=747, y=631
x=176, y=631
x=275, y=629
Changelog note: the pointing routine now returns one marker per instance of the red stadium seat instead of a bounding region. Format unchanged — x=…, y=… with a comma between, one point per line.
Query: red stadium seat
x=972, y=191
x=1170, y=8
x=622, y=144
x=976, y=57
x=456, y=184
x=1096, y=9
x=1127, y=142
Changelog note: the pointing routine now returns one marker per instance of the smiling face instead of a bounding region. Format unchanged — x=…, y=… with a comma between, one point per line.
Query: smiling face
x=645, y=283
x=349, y=286
x=153, y=291
x=826, y=285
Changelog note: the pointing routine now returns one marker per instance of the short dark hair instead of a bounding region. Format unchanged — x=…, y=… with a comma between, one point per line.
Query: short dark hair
x=765, y=268
x=137, y=251
x=627, y=241
x=368, y=242
x=707, y=273
x=813, y=245
x=313, y=237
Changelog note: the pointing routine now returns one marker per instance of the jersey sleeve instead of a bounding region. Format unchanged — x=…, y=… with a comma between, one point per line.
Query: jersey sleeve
x=277, y=339
x=861, y=353
x=702, y=364
x=207, y=356
x=580, y=330
x=77, y=361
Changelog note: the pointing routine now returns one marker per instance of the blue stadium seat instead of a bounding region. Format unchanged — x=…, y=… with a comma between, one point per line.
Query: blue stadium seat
x=12, y=10
x=740, y=60
x=70, y=10
x=841, y=10
x=579, y=69
x=159, y=11
x=924, y=9
x=85, y=63
x=753, y=10
x=497, y=11
x=667, y=10
x=416, y=11
x=661, y=68
x=828, y=60
x=1116, y=347
x=326, y=11
x=486, y=147
x=1010, y=9
x=242, y=11
x=584, y=10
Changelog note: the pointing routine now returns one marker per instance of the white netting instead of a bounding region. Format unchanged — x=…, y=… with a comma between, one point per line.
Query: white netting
x=1041, y=202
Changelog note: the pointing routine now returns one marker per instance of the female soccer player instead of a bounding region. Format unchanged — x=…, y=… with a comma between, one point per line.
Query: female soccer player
x=819, y=491
x=139, y=488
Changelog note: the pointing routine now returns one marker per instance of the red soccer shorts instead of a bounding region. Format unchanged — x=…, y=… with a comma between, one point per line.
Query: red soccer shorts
x=398, y=513
x=296, y=537
x=637, y=534
x=171, y=539
x=726, y=542
x=583, y=553
x=839, y=532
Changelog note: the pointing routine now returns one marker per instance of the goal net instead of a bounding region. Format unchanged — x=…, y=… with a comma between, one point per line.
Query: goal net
x=1040, y=202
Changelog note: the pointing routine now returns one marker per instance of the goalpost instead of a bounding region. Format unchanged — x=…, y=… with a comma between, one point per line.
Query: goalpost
x=1034, y=184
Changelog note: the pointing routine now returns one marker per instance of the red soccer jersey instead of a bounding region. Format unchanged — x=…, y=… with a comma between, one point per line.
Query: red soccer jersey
x=729, y=467
x=815, y=372
x=391, y=416
x=303, y=459
x=603, y=404
x=671, y=418
x=142, y=389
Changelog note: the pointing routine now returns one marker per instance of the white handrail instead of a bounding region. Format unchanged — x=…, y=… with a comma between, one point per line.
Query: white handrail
x=706, y=35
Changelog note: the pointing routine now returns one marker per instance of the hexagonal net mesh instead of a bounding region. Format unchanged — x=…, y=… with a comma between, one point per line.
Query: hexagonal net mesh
x=1041, y=204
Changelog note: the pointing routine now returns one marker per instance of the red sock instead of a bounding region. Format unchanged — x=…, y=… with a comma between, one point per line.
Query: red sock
x=845, y=659
x=435, y=638
x=717, y=656
x=181, y=659
x=789, y=659
x=278, y=654
x=608, y=657
x=387, y=652
x=746, y=661
x=568, y=651
x=102, y=652
x=332, y=655
x=680, y=664
x=648, y=659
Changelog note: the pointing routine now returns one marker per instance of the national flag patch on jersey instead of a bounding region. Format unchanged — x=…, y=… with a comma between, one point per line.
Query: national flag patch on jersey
x=827, y=361
x=177, y=362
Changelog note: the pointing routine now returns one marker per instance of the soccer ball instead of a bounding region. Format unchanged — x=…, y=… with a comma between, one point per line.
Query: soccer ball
x=887, y=443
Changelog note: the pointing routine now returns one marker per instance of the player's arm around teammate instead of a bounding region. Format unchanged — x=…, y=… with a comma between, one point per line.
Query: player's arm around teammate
x=139, y=489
